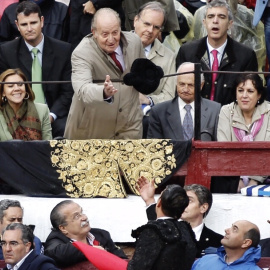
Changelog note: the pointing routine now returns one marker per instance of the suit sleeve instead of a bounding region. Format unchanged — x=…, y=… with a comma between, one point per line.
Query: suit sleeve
x=154, y=128
x=253, y=63
x=3, y=64
x=62, y=104
x=46, y=125
x=151, y=212
x=64, y=254
x=145, y=255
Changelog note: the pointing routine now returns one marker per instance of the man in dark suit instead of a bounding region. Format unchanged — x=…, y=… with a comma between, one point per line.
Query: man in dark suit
x=18, y=244
x=167, y=118
x=231, y=55
x=200, y=202
x=71, y=224
x=53, y=55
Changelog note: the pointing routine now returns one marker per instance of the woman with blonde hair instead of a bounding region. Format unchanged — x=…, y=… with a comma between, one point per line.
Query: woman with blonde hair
x=20, y=117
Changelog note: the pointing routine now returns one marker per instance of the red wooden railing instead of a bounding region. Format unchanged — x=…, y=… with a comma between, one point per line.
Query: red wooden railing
x=225, y=159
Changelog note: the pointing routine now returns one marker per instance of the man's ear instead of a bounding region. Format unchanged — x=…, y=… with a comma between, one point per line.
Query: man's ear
x=63, y=229
x=246, y=243
x=17, y=24
x=204, y=207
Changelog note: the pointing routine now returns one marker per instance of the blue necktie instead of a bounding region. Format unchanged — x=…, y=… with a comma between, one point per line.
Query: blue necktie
x=188, y=123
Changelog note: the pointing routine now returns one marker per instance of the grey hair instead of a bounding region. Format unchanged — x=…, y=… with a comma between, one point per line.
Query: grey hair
x=27, y=232
x=100, y=11
x=219, y=3
x=5, y=204
x=155, y=6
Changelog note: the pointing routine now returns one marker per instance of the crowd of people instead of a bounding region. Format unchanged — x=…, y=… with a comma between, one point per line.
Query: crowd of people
x=64, y=70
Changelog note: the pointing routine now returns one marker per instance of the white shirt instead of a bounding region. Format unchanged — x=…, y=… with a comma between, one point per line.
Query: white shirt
x=39, y=47
x=147, y=50
x=182, y=110
x=198, y=231
x=18, y=264
x=219, y=55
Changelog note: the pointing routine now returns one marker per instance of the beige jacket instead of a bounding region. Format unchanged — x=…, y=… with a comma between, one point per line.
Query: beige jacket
x=90, y=117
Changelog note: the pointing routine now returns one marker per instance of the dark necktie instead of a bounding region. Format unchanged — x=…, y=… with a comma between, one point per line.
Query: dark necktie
x=188, y=123
x=37, y=77
x=214, y=75
x=118, y=64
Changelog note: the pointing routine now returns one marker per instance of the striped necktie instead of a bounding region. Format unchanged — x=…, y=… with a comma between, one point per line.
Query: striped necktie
x=188, y=123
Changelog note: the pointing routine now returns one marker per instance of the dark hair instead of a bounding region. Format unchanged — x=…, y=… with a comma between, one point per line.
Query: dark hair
x=203, y=194
x=10, y=72
x=174, y=201
x=27, y=8
x=254, y=235
x=155, y=6
x=5, y=204
x=27, y=232
x=256, y=81
x=57, y=218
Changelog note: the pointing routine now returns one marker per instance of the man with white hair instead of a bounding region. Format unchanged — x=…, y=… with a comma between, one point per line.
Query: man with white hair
x=70, y=224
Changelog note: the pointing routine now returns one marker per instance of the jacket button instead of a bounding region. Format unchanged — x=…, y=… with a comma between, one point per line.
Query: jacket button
x=215, y=82
x=225, y=85
x=206, y=96
x=120, y=110
x=116, y=134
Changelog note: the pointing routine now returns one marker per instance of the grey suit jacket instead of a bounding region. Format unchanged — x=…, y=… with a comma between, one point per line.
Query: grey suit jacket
x=165, y=122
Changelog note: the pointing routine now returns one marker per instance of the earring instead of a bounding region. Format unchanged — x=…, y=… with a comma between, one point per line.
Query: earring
x=25, y=96
x=258, y=101
x=4, y=98
x=236, y=101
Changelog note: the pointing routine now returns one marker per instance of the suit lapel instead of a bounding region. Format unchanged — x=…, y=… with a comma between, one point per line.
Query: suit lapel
x=25, y=59
x=47, y=61
x=174, y=119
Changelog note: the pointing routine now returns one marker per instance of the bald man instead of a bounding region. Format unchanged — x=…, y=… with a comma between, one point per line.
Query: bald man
x=240, y=249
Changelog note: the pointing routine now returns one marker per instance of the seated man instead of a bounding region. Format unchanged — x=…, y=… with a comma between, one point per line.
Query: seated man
x=165, y=243
x=10, y=212
x=18, y=244
x=240, y=249
x=200, y=202
x=71, y=224
x=167, y=119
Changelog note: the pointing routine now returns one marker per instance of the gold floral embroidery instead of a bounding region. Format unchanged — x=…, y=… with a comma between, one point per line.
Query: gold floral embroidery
x=93, y=168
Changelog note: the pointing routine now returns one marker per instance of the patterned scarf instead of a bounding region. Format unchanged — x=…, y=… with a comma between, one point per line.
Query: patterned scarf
x=242, y=136
x=25, y=125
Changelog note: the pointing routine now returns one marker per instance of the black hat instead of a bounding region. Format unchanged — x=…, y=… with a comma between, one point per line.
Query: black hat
x=144, y=76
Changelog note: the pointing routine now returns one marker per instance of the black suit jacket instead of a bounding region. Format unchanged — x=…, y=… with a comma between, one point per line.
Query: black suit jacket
x=34, y=262
x=56, y=66
x=237, y=57
x=165, y=122
x=59, y=247
x=208, y=237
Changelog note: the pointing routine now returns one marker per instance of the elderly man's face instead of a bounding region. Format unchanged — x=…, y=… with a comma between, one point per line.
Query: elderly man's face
x=107, y=32
x=77, y=222
x=147, y=26
x=11, y=215
x=14, y=249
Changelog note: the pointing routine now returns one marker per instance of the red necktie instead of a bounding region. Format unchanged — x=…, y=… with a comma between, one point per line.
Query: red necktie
x=214, y=75
x=113, y=56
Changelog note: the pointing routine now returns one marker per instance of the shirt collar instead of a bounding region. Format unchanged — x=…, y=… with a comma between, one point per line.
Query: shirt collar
x=182, y=104
x=118, y=50
x=18, y=264
x=198, y=231
x=90, y=239
x=219, y=49
x=39, y=46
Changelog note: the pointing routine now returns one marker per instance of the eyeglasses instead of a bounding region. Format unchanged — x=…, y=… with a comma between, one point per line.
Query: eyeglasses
x=12, y=244
x=155, y=27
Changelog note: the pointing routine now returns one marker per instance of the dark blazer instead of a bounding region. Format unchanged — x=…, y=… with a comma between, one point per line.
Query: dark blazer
x=56, y=66
x=40, y=262
x=208, y=237
x=59, y=247
x=237, y=57
x=165, y=122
